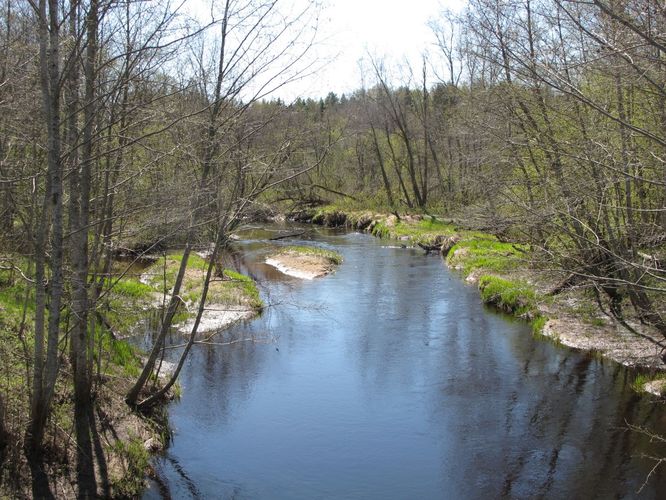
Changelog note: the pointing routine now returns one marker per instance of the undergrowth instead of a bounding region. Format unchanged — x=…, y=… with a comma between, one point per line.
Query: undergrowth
x=424, y=231
x=115, y=365
x=135, y=459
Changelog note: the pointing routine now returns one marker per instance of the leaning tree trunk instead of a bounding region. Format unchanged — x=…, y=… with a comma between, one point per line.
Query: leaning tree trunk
x=196, y=208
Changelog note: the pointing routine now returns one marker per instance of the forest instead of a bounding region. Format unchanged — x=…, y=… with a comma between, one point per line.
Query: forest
x=131, y=127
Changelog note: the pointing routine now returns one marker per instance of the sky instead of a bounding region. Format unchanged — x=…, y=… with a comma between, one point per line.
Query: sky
x=349, y=32
x=394, y=30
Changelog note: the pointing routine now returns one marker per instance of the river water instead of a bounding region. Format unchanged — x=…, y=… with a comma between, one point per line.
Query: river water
x=389, y=379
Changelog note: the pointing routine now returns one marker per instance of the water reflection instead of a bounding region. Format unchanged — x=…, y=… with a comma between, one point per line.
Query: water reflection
x=389, y=379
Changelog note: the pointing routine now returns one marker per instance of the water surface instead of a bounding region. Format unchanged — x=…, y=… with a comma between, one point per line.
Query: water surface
x=389, y=379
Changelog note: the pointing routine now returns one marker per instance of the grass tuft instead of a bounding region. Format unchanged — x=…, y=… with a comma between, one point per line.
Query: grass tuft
x=135, y=462
x=485, y=254
x=642, y=380
x=515, y=298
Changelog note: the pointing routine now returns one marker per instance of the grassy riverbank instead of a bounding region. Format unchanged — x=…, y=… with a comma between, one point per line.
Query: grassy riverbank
x=513, y=278
x=123, y=438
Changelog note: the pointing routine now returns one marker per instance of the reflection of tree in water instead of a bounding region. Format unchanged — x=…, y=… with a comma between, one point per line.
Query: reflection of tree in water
x=573, y=413
x=219, y=378
x=536, y=420
x=508, y=414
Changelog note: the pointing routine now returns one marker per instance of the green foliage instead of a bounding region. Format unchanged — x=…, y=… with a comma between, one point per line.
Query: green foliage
x=425, y=231
x=330, y=216
x=331, y=256
x=381, y=230
x=122, y=313
x=193, y=261
x=431, y=224
x=13, y=290
x=13, y=361
x=232, y=288
x=538, y=323
x=126, y=303
x=162, y=274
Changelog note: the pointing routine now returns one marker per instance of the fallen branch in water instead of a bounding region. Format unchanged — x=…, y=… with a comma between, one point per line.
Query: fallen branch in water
x=291, y=235
x=207, y=342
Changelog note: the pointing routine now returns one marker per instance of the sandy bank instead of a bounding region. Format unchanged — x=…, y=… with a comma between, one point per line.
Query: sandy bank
x=612, y=341
x=301, y=266
x=216, y=317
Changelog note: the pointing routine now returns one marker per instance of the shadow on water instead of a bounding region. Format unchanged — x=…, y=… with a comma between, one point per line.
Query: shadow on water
x=388, y=379
x=172, y=464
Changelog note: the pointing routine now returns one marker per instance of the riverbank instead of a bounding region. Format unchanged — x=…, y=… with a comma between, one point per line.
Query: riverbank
x=509, y=280
x=123, y=439
x=119, y=435
x=304, y=262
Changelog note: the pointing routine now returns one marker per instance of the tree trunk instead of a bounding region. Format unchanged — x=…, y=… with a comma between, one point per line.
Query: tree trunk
x=380, y=159
x=45, y=373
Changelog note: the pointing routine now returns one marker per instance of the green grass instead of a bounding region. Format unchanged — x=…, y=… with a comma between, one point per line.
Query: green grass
x=381, y=230
x=431, y=224
x=486, y=254
x=331, y=256
x=538, y=323
x=642, y=379
x=135, y=462
x=475, y=252
x=128, y=287
x=515, y=298
x=122, y=355
x=424, y=231
x=232, y=288
x=119, y=362
x=125, y=305
x=247, y=286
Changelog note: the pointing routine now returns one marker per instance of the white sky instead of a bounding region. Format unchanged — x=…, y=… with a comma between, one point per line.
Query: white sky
x=395, y=30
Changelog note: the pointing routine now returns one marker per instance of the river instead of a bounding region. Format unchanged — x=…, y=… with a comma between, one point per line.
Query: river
x=390, y=379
